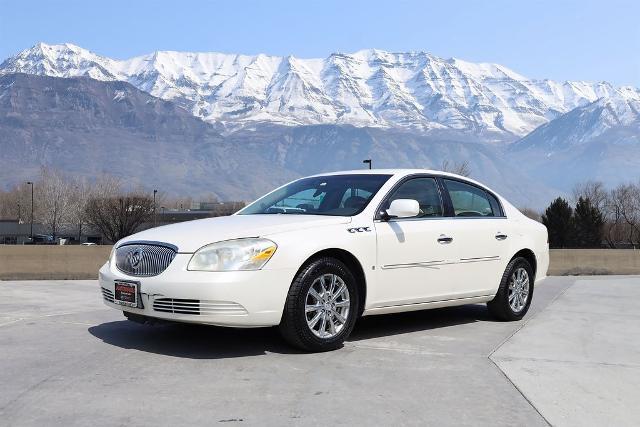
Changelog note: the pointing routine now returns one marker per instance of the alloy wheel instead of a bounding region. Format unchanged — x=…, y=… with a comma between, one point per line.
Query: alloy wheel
x=327, y=306
x=518, y=289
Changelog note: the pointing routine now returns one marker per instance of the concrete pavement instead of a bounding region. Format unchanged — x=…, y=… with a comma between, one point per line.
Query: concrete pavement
x=578, y=361
x=65, y=359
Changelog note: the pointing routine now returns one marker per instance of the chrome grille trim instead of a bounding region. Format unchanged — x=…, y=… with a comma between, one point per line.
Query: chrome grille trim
x=107, y=294
x=144, y=259
x=197, y=307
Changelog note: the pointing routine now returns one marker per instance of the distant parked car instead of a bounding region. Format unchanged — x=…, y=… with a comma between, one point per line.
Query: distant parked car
x=43, y=239
x=317, y=253
x=88, y=244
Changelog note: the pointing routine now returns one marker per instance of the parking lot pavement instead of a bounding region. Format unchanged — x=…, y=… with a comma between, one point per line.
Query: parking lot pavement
x=65, y=359
x=579, y=360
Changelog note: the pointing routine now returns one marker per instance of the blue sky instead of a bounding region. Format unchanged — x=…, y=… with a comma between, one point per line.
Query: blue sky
x=577, y=40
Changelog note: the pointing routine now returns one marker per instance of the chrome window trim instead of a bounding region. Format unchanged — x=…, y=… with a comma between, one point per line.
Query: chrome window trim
x=436, y=177
x=439, y=218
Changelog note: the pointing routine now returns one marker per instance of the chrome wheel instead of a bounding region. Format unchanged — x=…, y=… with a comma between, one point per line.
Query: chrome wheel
x=327, y=306
x=518, y=289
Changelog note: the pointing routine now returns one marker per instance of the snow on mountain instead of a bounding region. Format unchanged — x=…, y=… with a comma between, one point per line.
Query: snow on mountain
x=598, y=141
x=585, y=124
x=372, y=88
x=84, y=127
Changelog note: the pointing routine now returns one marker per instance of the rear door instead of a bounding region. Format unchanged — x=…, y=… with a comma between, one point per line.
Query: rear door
x=480, y=234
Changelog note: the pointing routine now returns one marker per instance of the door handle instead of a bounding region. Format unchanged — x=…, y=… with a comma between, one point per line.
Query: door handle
x=501, y=236
x=445, y=240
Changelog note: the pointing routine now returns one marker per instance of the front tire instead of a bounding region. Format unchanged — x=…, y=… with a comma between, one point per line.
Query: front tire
x=514, y=295
x=321, y=307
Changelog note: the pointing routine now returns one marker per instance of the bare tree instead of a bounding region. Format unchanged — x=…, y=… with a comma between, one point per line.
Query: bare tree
x=614, y=224
x=107, y=186
x=595, y=191
x=15, y=204
x=53, y=194
x=459, y=168
x=119, y=216
x=81, y=192
x=622, y=212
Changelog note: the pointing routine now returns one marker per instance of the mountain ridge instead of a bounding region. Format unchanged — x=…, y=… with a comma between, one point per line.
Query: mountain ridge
x=416, y=91
x=599, y=141
x=85, y=127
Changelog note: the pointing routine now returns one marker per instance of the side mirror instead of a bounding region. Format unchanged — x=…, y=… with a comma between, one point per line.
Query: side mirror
x=403, y=208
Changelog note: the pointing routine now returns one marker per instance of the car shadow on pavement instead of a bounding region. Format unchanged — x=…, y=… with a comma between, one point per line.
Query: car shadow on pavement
x=191, y=341
x=415, y=321
x=211, y=342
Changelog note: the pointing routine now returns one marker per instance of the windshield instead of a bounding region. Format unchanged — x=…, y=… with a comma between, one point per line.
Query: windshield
x=339, y=195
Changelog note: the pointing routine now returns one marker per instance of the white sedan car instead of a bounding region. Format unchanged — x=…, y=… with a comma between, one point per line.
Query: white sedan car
x=316, y=254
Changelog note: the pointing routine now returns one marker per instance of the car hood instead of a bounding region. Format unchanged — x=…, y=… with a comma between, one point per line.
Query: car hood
x=190, y=236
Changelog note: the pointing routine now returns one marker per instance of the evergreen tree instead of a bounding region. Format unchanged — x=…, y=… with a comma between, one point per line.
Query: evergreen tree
x=558, y=218
x=588, y=224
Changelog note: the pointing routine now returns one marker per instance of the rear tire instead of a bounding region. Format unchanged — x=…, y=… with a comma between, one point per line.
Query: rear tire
x=514, y=295
x=321, y=307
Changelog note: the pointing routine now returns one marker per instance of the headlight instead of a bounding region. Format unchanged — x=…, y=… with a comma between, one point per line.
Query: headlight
x=233, y=255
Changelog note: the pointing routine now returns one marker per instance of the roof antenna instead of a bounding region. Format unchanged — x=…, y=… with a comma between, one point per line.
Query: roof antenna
x=367, y=161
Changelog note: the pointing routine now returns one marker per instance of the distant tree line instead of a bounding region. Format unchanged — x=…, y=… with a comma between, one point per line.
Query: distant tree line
x=594, y=217
x=103, y=205
x=599, y=217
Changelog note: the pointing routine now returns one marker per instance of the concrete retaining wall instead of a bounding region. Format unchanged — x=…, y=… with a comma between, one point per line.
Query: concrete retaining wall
x=51, y=262
x=83, y=262
x=567, y=262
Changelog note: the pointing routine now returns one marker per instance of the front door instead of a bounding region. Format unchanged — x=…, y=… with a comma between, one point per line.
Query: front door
x=413, y=260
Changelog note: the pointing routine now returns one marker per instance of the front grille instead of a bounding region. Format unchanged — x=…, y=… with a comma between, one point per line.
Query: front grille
x=107, y=294
x=197, y=307
x=144, y=259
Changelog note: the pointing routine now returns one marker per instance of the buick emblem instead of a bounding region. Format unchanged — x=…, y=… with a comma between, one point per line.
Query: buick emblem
x=134, y=257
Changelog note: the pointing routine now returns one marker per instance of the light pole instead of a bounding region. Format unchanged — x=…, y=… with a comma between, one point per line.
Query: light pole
x=31, y=184
x=367, y=161
x=155, y=216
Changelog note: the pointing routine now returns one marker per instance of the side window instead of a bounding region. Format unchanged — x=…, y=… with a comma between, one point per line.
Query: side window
x=425, y=191
x=468, y=200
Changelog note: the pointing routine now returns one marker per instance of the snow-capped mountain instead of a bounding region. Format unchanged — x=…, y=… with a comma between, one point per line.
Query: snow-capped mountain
x=585, y=124
x=86, y=127
x=599, y=141
x=369, y=88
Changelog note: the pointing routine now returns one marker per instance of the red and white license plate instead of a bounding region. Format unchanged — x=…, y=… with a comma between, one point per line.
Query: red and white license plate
x=126, y=293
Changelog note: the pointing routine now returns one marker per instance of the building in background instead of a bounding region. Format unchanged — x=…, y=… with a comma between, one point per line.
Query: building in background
x=13, y=232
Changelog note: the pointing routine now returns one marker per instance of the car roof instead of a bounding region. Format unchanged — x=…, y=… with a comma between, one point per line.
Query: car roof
x=404, y=172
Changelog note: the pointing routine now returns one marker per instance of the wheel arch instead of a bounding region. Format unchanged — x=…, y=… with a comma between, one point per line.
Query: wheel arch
x=530, y=256
x=352, y=263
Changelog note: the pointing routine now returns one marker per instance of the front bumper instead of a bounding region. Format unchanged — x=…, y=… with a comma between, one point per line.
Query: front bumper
x=234, y=298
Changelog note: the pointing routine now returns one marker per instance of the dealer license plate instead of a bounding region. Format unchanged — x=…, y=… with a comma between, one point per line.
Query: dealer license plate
x=126, y=293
